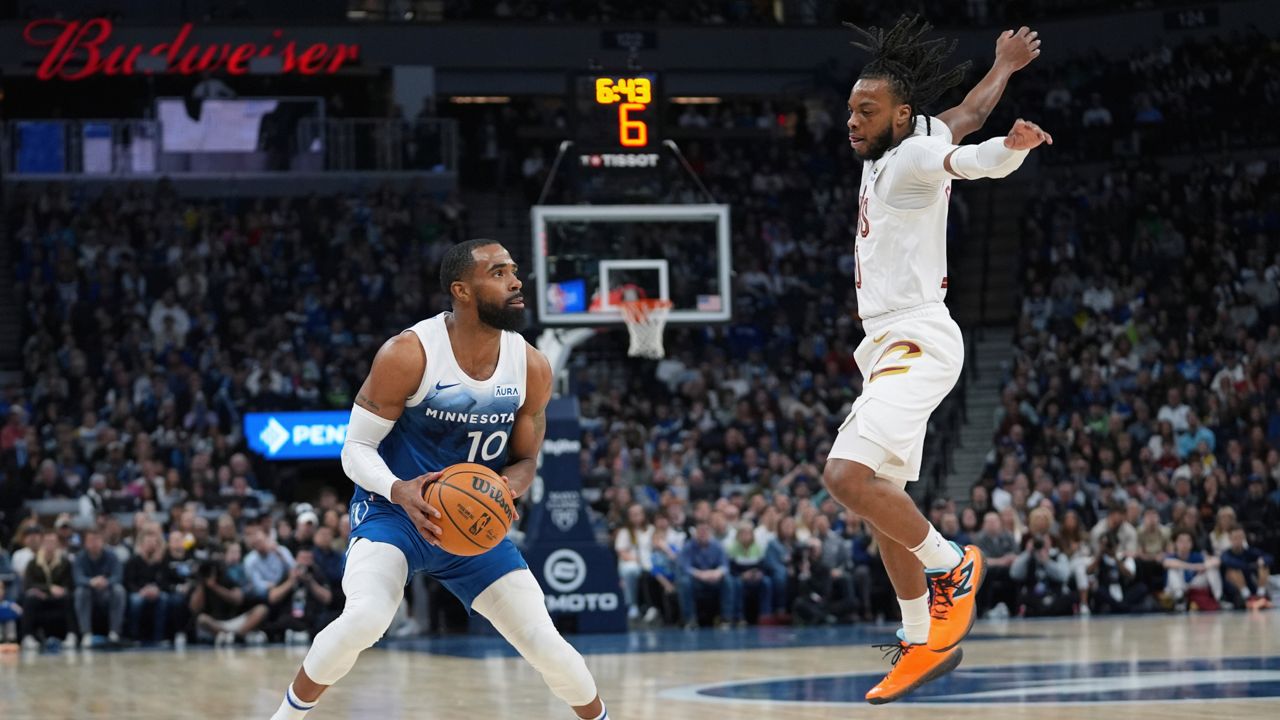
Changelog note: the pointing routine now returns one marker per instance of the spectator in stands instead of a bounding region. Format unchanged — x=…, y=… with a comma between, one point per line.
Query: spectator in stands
x=1117, y=525
x=22, y=557
x=1114, y=579
x=633, y=544
x=704, y=576
x=1153, y=545
x=667, y=543
x=267, y=565
x=180, y=572
x=99, y=581
x=222, y=605
x=781, y=562
x=1248, y=569
x=1043, y=574
x=1192, y=576
x=747, y=572
x=817, y=602
x=837, y=558
x=1078, y=549
x=48, y=611
x=1000, y=549
x=309, y=601
x=146, y=580
x=10, y=616
x=860, y=540
x=329, y=559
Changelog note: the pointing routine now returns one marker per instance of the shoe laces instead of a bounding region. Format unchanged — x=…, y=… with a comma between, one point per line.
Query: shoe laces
x=943, y=587
x=893, y=652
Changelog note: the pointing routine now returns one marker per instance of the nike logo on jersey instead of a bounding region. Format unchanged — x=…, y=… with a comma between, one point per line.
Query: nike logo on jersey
x=882, y=337
x=439, y=389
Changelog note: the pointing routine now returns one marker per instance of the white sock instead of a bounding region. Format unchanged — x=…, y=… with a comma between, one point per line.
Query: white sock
x=292, y=708
x=915, y=619
x=936, y=552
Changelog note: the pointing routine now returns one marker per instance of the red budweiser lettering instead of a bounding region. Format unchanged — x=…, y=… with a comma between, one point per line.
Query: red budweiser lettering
x=78, y=50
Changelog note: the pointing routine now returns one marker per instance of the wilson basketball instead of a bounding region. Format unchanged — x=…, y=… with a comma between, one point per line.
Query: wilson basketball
x=475, y=507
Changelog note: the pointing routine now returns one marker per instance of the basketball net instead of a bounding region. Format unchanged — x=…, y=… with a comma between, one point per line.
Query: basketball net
x=646, y=319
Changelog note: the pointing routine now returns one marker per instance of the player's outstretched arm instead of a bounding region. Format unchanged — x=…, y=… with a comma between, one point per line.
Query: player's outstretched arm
x=934, y=160
x=1014, y=51
x=530, y=426
x=394, y=378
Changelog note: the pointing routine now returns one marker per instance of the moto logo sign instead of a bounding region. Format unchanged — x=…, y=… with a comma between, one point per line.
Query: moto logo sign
x=564, y=571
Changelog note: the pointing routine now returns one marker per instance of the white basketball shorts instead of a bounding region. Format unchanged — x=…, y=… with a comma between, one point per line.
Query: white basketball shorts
x=910, y=359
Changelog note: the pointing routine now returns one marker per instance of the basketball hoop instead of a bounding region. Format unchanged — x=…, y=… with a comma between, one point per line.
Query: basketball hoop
x=646, y=318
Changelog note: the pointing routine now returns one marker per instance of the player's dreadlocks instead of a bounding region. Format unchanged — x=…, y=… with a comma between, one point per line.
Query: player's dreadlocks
x=910, y=63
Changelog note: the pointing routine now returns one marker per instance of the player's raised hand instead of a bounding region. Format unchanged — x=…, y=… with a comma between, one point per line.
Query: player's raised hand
x=408, y=495
x=1026, y=135
x=1015, y=51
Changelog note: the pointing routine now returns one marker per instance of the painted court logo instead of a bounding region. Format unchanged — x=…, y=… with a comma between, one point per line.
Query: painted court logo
x=1144, y=681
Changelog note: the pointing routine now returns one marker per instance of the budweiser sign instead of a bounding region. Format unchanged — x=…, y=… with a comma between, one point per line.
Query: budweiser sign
x=80, y=49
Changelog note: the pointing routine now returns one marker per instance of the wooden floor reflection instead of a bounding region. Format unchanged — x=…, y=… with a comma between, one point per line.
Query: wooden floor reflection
x=1168, y=667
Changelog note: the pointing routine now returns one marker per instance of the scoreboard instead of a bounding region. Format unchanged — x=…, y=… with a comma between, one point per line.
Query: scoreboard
x=617, y=112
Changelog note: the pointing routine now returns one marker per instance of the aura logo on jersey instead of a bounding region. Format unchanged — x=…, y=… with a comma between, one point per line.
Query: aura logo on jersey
x=1143, y=681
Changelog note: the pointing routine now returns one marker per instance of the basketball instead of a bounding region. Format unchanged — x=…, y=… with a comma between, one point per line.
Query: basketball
x=475, y=508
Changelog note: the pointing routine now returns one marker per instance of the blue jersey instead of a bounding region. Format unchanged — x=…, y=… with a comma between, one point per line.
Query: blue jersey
x=454, y=418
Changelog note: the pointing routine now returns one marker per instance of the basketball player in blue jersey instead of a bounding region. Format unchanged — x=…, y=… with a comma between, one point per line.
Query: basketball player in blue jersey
x=404, y=430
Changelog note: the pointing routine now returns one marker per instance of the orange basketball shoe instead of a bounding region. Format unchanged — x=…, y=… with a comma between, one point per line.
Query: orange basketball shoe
x=954, y=605
x=913, y=666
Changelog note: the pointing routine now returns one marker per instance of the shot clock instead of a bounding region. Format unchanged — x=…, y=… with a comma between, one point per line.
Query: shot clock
x=617, y=112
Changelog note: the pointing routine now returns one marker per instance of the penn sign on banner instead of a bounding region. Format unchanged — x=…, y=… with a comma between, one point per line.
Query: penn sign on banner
x=578, y=574
x=297, y=435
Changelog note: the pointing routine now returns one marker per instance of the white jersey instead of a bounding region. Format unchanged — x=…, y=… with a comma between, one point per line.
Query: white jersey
x=901, y=236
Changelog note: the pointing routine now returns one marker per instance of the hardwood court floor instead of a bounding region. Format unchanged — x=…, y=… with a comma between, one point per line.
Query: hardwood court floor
x=1167, y=667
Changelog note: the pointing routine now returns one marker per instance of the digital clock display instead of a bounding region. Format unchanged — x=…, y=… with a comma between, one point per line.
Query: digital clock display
x=616, y=112
x=633, y=90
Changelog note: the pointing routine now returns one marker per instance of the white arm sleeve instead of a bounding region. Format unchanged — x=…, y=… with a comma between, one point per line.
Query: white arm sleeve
x=360, y=459
x=990, y=159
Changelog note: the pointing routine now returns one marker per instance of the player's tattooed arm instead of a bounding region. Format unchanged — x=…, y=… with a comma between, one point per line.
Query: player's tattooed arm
x=364, y=401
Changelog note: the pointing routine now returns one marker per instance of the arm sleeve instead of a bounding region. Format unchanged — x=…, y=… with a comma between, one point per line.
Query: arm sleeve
x=360, y=459
x=988, y=159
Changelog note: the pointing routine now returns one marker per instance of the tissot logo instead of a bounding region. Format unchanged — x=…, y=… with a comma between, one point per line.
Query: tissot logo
x=1066, y=683
x=619, y=160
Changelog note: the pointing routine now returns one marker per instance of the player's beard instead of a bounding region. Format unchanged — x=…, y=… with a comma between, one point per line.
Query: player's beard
x=878, y=145
x=501, y=316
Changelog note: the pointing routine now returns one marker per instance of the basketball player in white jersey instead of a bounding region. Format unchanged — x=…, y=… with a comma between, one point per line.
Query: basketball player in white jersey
x=462, y=386
x=913, y=351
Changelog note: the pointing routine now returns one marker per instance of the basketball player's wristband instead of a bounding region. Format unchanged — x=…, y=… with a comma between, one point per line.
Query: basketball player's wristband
x=360, y=459
x=988, y=159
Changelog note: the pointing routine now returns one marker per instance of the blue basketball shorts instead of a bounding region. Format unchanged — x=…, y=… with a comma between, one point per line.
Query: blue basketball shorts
x=466, y=577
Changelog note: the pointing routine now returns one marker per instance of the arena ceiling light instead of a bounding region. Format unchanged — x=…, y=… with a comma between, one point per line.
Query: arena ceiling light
x=479, y=100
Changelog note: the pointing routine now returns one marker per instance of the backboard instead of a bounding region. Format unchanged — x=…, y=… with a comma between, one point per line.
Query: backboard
x=588, y=258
